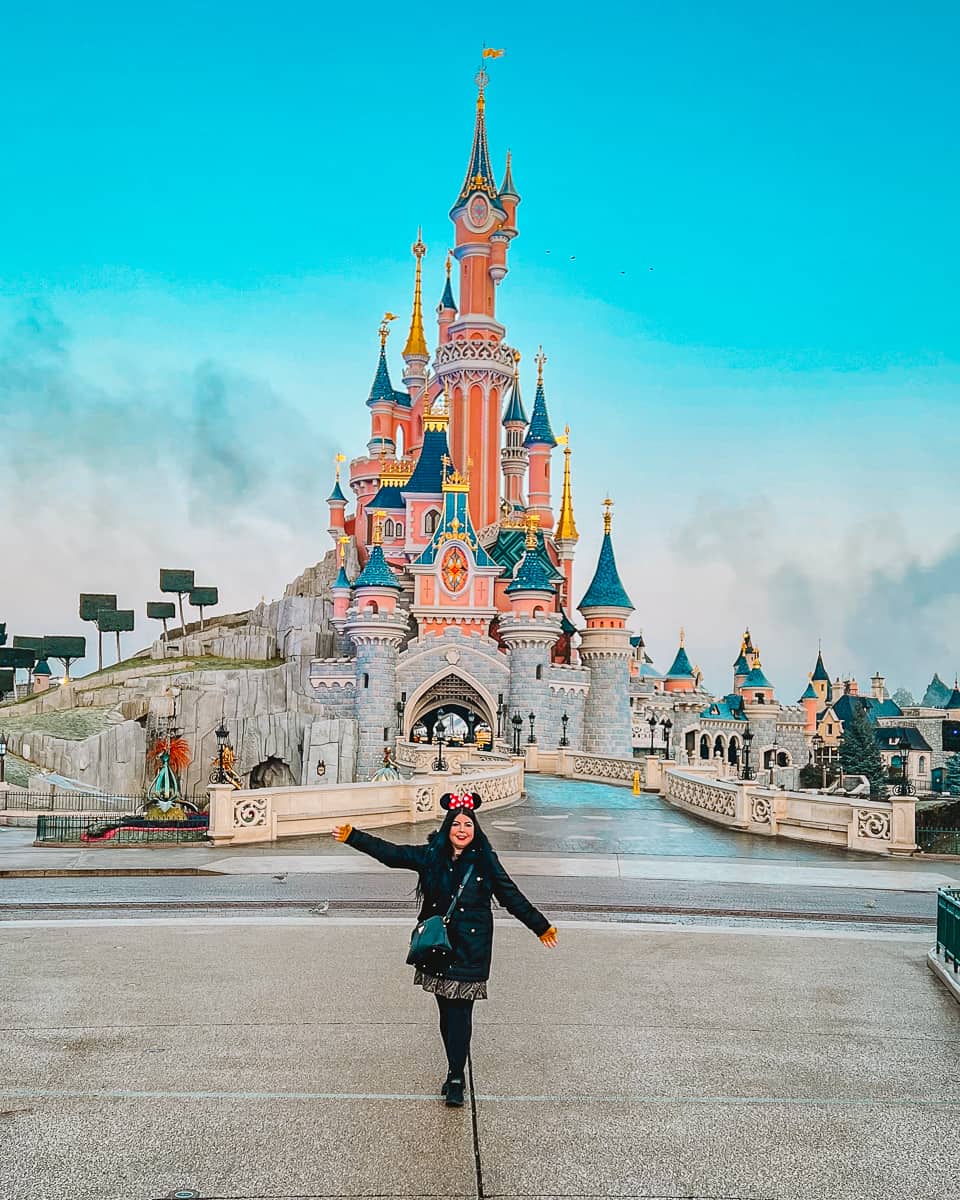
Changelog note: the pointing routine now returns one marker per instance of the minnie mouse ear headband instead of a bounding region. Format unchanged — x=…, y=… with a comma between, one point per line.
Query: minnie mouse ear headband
x=462, y=801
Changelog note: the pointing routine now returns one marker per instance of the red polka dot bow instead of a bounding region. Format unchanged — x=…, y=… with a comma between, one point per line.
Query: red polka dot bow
x=461, y=800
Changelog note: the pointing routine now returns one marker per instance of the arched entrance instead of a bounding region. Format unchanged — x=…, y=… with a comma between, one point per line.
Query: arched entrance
x=462, y=712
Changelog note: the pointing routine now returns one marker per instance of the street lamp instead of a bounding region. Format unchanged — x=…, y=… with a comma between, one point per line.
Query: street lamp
x=666, y=725
x=564, y=741
x=401, y=705
x=222, y=734
x=440, y=763
x=531, y=740
x=652, y=722
x=903, y=787
x=747, y=772
x=517, y=722
x=817, y=742
x=3, y=757
x=499, y=716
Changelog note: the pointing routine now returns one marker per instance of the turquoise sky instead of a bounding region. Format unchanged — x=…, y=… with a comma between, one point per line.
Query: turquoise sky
x=738, y=247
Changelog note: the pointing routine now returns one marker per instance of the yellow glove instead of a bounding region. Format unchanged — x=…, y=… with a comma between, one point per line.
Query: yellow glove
x=342, y=832
x=550, y=937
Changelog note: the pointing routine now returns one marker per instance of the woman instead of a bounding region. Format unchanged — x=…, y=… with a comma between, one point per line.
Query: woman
x=458, y=850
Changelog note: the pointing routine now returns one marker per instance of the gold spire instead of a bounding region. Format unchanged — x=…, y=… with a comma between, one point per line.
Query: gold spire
x=338, y=459
x=607, y=514
x=540, y=358
x=566, y=526
x=416, y=341
x=378, y=527
x=454, y=480
x=533, y=524
x=682, y=636
x=342, y=544
x=448, y=262
x=384, y=329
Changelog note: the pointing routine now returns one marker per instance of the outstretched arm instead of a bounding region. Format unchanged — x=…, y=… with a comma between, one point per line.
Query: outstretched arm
x=517, y=905
x=389, y=853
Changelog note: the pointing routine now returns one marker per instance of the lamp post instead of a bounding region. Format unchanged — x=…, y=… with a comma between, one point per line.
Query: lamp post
x=222, y=734
x=564, y=741
x=652, y=722
x=747, y=772
x=666, y=725
x=817, y=742
x=499, y=715
x=517, y=722
x=440, y=763
x=3, y=757
x=903, y=787
x=401, y=705
x=531, y=740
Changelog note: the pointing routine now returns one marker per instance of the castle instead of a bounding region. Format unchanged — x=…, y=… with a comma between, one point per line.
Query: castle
x=460, y=609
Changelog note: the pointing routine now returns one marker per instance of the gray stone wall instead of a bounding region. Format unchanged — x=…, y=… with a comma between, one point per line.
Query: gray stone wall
x=528, y=694
x=376, y=702
x=474, y=658
x=606, y=716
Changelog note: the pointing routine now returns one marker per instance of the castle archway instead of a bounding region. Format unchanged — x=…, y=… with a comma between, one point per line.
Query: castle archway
x=461, y=707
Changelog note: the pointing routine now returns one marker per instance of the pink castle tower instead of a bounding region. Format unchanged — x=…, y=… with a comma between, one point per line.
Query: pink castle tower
x=475, y=361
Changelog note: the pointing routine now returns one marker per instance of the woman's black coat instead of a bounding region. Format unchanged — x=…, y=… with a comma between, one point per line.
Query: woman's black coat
x=471, y=926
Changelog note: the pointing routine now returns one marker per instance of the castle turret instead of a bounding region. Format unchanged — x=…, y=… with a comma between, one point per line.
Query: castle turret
x=539, y=444
x=565, y=535
x=530, y=632
x=605, y=649
x=447, y=308
x=743, y=666
x=757, y=689
x=416, y=355
x=376, y=627
x=340, y=588
x=821, y=682
x=513, y=456
x=337, y=504
x=680, y=677
x=810, y=703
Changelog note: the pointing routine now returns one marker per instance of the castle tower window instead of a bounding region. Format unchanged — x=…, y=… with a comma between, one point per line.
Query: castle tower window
x=539, y=670
x=430, y=522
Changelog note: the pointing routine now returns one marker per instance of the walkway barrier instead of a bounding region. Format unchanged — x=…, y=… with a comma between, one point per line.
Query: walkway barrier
x=599, y=768
x=111, y=830
x=948, y=926
x=420, y=757
x=24, y=803
x=938, y=841
x=266, y=814
x=870, y=826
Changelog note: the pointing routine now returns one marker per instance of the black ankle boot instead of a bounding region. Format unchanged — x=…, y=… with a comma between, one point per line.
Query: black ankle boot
x=455, y=1092
x=446, y=1084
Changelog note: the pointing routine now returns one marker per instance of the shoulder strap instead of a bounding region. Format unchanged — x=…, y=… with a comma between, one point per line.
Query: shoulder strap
x=463, y=884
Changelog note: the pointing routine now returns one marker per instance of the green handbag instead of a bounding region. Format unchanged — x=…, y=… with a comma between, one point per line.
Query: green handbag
x=429, y=945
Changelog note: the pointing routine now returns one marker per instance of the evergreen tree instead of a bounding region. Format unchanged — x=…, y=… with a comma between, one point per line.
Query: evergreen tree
x=860, y=754
x=903, y=698
x=937, y=693
x=951, y=777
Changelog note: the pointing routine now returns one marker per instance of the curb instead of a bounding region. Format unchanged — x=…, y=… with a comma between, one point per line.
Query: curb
x=94, y=872
x=949, y=979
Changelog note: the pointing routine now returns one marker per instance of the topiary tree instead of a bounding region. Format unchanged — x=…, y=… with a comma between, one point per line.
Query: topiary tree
x=860, y=754
x=951, y=776
x=91, y=605
x=903, y=698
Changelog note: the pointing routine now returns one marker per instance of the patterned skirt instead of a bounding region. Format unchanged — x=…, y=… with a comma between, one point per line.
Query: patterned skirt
x=450, y=989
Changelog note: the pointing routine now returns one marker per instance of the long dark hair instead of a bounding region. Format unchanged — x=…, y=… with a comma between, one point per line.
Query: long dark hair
x=440, y=852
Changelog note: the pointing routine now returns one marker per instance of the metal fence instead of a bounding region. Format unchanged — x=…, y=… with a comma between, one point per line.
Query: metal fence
x=73, y=802
x=938, y=841
x=948, y=924
x=109, y=830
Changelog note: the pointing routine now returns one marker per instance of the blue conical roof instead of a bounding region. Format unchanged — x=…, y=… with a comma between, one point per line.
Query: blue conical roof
x=341, y=580
x=377, y=572
x=388, y=497
x=479, y=177
x=427, y=477
x=532, y=575
x=820, y=671
x=514, y=411
x=605, y=588
x=810, y=693
x=953, y=701
x=336, y=494
x=540, y=433
x=681, y=666
x=447, y=300
x=756, y=679
x=741, y=666
x=507, y=188
x=381, y=388
x=42, y=667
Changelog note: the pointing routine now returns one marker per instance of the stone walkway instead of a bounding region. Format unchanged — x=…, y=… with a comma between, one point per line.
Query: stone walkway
x=278, y=1058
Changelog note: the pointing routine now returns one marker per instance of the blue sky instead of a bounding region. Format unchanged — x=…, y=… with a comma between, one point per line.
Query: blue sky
x=228, y=193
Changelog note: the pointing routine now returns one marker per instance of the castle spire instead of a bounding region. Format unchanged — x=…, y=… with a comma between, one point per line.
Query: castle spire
x=479, y=177
x=507, y=187
x=540, y=431
x=566, y=525
x=606, y=589
x=446, y=300
x=416, y=346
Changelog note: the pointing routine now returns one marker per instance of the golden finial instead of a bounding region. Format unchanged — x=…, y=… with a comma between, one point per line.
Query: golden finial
x=566, y=525
x=449, y=262
x=384, y=329
x=342, y=544
x=416, y=340
x=607, y=514
x=539, y=358
x=533, y=525
x=682, y=636
x=338, y=459
x=378, y=527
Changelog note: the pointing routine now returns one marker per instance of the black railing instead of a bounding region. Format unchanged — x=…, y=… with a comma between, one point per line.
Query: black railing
x=72, y=802
x=938, y=841
x=110, y=830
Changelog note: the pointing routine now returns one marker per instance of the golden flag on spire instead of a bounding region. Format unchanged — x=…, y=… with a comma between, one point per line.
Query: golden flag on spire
x=488, y=52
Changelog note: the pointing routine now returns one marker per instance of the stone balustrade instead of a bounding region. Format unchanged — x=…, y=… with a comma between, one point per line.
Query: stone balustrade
x=419, y=757
x=599, y=768
x=266, y=814
x=852, y=823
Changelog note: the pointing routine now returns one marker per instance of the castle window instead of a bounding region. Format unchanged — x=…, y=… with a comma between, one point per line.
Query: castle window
x=366, y=679
x=399, y=529
x=539, y=670
x=389, y=529
x=923, y=765
x=430, y=522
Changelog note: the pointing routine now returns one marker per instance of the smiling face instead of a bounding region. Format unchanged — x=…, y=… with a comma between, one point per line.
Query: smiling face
x=461, y=832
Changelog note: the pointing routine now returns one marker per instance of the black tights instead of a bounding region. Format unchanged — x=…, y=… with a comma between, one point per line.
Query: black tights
x=456, y=1026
